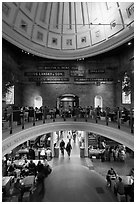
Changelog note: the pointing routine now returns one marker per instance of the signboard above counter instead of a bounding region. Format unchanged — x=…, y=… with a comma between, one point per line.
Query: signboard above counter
x=92, y=79
x=44, y=74
x=96, y=71
x=57, y=68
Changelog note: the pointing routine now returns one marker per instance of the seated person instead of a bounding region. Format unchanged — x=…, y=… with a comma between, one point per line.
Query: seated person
x=119, y=187
x=131, y=173
x=110, y=175
x=131, y=193
x=9, y=162
x=45, y=162
x=47, y=170
x=26, y=163
x=18, y=189
x=48, y=153
x=32, y=168
x=39, y=166
x=11, y=170
x=24, y=172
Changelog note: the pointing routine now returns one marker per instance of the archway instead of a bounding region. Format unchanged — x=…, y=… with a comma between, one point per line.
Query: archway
x=98, y=101
x=11, y=141
x=38, y=101
x=67, y=101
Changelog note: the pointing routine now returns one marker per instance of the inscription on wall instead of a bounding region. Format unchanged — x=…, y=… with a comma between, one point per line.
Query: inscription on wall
x=92, y=79
x=79, y=73
x=44, y=74
x=36, y=79
x=71, y=73
x=57, y=67
x=96, y=71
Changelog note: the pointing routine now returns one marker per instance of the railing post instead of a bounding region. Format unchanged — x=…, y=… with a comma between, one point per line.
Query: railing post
x=64, y=116
x=131, y=122
x=118, y=119
x=96, y=119
x=34, y=119
x=43, y=115
x=107, y=118
x=23, y=119
x=86, y=116
x=11, y=122
x=53, y=115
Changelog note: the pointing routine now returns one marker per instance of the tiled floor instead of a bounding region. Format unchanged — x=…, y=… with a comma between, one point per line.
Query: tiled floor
x=80, y=179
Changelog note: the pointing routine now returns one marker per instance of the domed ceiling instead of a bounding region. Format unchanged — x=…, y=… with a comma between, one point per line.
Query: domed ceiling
x=67, y=30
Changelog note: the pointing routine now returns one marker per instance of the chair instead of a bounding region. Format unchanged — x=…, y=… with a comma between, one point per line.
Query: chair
x=112, y=185
x=26, y=197
x=14, y=198
x=121, y=198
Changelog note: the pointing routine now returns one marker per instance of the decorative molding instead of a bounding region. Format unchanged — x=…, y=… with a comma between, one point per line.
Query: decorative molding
x=53, y=52
x=5, y=9
x=130, y=10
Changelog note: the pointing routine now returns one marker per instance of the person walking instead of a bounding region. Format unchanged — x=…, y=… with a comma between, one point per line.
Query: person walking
x=68, y=148
x=74, y=137
x=62, y=146
x=69, y=136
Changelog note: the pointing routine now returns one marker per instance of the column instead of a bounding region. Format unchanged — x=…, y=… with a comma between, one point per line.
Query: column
x=28, y=143
x=52, y=143
x=86, y=143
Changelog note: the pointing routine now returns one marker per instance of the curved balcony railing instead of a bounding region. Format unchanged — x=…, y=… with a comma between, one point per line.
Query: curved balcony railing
x=23, y=121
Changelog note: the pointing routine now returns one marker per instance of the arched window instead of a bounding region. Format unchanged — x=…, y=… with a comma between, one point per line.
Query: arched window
x=98, y=101
x=38, y=101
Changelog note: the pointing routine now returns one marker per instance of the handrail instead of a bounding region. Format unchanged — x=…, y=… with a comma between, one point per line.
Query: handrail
x=118, y=123
x=11, y=141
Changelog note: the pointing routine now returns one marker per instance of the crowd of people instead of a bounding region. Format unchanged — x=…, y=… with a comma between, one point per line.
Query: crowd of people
x=75, y=112
x=108, y=150
x=119, y=186
x=114, y=153
x=68, y=147
x=29, y=168
x=27, y=165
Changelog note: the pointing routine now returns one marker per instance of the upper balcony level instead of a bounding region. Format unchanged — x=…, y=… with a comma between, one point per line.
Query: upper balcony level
x=13, y=134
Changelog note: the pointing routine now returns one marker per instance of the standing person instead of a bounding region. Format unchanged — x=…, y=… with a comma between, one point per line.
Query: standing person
x=69, y=136
x=74, y=137
x=111, y=175
x=62, y=146
x=68, y=149
x=119, y=187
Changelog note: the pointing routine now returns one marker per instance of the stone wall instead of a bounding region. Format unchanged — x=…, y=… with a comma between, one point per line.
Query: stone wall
x=112, y=64
x=86, y=93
